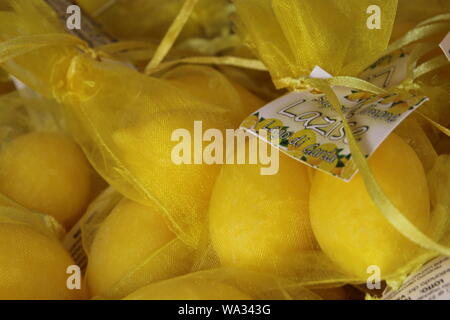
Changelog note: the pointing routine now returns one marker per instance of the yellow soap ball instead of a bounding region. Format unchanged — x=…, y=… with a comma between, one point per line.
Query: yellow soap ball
x=33, y=266
x=350, y=228
x=133, y=247
x=166, y=168
x=188, y=289
x=250, y=101
x=211, y=86
x=48, y=173
x=261, y=222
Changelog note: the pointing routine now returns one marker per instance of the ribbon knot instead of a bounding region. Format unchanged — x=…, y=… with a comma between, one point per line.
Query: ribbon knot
x=93, y=53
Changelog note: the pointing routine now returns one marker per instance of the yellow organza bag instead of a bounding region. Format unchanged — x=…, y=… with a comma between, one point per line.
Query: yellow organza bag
x=372, y=221
x=149, y=251
x=411, y=12
x=33, y=263
x=423, y=25
x=129, y=20
x=196, y=27
x=437, y=86
x=124, y=120
x=154, y=261
x=58, y=180
x=231, y=284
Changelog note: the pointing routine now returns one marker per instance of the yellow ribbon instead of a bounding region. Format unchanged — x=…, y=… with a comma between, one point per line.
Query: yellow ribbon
x=384, y=204
x=21, y=45
x=121, y=46
x=438, y=18
x=443, y=129
x=410, y=85
x=432, y=26
x=420, y=32
x=224, y=60
x=172, y=34
x=430, y=65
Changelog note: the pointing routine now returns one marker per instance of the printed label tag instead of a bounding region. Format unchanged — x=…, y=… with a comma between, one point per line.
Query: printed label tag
x=90, y=31
x=445, y=46
x=431, y=282
x=311, y=131
x=387, y=71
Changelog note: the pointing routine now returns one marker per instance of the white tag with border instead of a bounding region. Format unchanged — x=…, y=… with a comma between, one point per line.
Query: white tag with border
x=311, y=131
x=388, y=71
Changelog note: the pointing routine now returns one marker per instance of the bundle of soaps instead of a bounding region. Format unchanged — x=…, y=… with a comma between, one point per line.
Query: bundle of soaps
x=115, y=179
x=126, y=131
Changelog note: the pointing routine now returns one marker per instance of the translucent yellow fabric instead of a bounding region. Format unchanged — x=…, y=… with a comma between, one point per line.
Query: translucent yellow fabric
x=291, y=37
x=413, y=134
x=411, y=12
x=59, y=181
x=116, y=229
x=303, y=34
x=139, y=235
x=123, y=119
x=129, y=20
x=436, y=85
x=51, y=183
x=224, y=284
x=30, y=247
x=15, y=213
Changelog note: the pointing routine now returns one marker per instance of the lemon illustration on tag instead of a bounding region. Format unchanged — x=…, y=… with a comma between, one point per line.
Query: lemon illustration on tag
x=398, y=101
x=359, y=95
x=399, y=107
x=250, y=121
x=299, y=141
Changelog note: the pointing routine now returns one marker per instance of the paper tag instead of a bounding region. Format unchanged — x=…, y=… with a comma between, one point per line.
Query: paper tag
x=312, y=132
x=319, y=73
x=90, y=31
x=431, y=282
x=445, y=46
x=74, y=245
x=73, y=241
x=387, y=71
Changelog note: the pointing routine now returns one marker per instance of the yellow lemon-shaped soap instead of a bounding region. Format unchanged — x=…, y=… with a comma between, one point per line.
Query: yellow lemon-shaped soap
x=33, y=266
x=162, y=153
x=133, y=247
x=261, y=222
x=211, y=86
x=350, y=228
x=48, y=173
x=188, y=289
x=250, y=101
